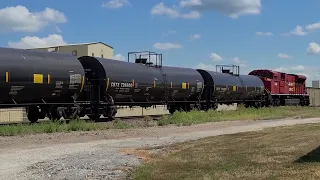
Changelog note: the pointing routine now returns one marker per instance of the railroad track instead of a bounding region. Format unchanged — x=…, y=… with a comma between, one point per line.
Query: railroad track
x=102, y=120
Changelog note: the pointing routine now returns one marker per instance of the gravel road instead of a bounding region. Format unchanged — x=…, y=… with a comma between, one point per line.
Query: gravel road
x=109, y=154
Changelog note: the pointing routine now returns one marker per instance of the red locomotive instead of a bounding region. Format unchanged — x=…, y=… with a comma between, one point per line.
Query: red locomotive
x=282, y=88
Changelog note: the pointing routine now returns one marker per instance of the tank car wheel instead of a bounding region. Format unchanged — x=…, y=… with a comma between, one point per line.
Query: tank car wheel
x=110, y=113
x=54, y=117
x=171, y=109
x=215, y=106
x=94, y=117
x=33, y=113
x=247, y=105
x=113, y=114
x=186, y=107
x=258, y=104
x=53, y=114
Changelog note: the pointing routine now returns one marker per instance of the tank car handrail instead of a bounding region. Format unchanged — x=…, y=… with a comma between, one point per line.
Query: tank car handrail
x=158, y=58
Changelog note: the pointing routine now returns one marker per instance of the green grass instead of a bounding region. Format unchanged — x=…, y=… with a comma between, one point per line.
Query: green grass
x=275, y=153
x=178, y=118
x=196, y=117
x=59, y=126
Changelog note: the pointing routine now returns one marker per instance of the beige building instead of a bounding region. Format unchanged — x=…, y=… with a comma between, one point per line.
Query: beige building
x=95, y=49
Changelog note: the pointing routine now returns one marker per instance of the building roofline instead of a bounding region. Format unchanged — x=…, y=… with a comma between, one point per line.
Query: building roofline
x=77, y=44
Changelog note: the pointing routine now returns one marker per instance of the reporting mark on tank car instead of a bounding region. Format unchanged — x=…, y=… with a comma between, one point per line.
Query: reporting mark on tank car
x=123, y=84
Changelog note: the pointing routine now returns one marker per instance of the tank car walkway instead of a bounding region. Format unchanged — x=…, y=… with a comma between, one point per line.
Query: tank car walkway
x=104, y=154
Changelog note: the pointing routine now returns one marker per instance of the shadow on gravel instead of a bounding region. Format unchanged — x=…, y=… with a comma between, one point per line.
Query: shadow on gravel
x=313, y=156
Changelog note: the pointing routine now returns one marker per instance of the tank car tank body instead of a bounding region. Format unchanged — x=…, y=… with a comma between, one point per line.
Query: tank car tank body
x=254, y=90
x=228, y=88
x=38, y=80
x=185, y=86
x=137, y=84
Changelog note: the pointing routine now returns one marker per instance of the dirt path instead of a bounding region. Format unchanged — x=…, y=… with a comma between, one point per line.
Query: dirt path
x=104, y=154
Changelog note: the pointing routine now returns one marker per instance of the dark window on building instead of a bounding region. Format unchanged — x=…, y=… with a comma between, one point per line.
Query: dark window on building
x=92, y=54
x=74, y=53
x=102, y=55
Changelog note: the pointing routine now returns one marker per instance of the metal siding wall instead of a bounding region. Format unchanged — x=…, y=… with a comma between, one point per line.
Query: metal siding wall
x=314, y=94
x=316, y=84
x=82, y=50
x=99, y=49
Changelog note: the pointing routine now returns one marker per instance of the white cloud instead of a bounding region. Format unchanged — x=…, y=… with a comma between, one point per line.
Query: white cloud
x=191, y=15
x=232, y=8
x=37, y=42
x=115, y=4
x=313, y=48
x=195, y=36
x=119, y=57
x=169, y=32
x=162, y=10
x=216, y=57
x=313, y=26
x=284, y=56
x=167, y=46
x=187, y=3
x=206, y=67
x=20, y=19
x=281, y=69
x=264, y=33
x=238, y=62
x=298, y=30
x=298, y=68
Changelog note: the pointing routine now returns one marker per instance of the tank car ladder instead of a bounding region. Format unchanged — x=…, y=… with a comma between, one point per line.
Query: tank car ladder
x=165, y=84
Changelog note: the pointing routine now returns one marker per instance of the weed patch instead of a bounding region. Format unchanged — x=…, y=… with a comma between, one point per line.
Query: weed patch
x=197, y=117
x=275, y=153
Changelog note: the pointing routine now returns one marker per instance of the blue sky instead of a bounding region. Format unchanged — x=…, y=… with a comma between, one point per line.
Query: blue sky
x=281, y=35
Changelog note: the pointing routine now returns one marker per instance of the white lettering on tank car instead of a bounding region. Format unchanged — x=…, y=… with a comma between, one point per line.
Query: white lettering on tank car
x=199, y=86
x=115, y=84
x=75, y=80
x=15, y=89
x=58, y=88
x=123, y=84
